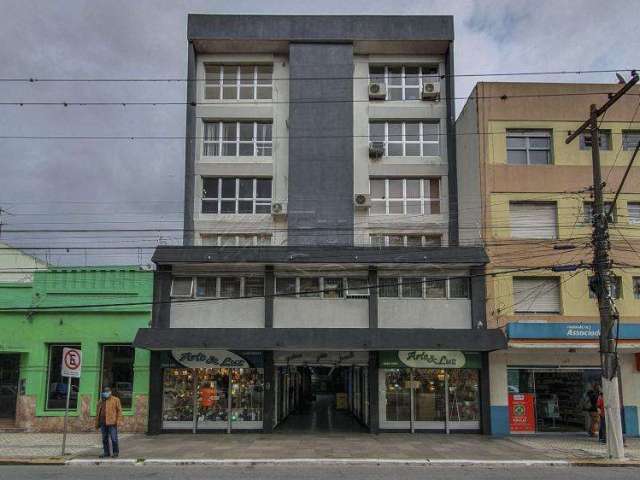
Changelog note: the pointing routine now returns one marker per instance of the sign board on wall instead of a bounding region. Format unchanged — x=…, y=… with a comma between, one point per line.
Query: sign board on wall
x=564, y=331
x=71, y=362
x=205, y=358
x=429, y=359
x=522, y=413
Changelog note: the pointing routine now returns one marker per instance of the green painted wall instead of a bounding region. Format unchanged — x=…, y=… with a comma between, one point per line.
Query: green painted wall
x=31, y=333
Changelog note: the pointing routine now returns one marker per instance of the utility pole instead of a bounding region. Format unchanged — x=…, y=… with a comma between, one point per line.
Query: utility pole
x=601, y=283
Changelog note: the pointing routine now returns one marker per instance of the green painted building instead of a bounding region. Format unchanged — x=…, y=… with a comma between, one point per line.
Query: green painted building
x=44, y=309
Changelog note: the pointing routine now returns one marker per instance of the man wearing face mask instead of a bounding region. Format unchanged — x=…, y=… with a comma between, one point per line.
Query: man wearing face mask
x=108, y=417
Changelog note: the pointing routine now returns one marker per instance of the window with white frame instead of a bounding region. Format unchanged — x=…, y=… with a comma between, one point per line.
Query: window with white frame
x=536, y=294
x=587, y=212
x=236, y=195
x=633, y=209
x=182, y=287
x=403, y=82
x=411, y=286
x=533, y=220
x=235, y=240
x=404, y=240
x=615, y=287
x=406, y=139
x=528, y=147
x=237, y=139
x=229, y=286
x=238, y=82
x=604, y=136
x=329, y=287
x=630, y=139
x=405, y=196
x=636, y=288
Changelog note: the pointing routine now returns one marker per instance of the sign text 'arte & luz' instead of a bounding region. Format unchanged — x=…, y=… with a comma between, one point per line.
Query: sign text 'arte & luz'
x=205, y=358
x=432, y=358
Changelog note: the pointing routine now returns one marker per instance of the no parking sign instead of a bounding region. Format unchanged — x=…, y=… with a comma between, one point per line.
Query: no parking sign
x=71, y=362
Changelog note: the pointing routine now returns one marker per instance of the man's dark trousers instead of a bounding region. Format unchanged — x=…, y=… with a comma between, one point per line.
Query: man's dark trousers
x=109, y=432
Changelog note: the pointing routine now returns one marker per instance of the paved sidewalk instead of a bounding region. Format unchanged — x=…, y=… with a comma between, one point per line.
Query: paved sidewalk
x=389, y=446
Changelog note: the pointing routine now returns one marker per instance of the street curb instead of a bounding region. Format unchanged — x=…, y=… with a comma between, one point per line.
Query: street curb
x=33, y=461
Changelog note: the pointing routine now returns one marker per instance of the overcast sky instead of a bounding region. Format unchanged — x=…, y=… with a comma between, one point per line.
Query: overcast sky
x=125, y=184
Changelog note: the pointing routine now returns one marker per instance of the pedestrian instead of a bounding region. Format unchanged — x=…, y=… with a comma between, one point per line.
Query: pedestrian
x=108, y=417
x=602, y=433
x=592, y=410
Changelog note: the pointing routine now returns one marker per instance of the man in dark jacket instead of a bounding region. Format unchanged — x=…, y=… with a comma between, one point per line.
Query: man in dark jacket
x=108, y=417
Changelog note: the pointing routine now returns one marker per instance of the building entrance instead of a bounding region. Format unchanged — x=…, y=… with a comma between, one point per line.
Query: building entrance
x=316, y=392
x=9, y=378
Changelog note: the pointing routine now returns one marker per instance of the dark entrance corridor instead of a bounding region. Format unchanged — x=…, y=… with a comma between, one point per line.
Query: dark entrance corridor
x=321, y=402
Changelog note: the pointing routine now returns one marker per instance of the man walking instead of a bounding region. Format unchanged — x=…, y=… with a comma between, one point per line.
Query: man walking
x=108, y=417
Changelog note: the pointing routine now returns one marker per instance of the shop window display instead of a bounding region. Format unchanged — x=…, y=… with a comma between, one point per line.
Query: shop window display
x=177, y=398
x=213, y=400
x=429, y=394
x=247, y=394
x=463, y=395
x=397, y=382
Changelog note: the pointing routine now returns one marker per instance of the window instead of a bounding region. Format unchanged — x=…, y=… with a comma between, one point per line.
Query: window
x=587, y=212
x=286, y=286
x=238, y=82
x=405, y=196
x=403, y=82
x=459, y=288
x=412, y=287
x=435, y=289
x=605, y=140
x=182, y=287
x=310, y=285
x=630, y=139
x=117, y=372
x=528, y=147
x=422, y=287
x=357, y=287
x=254, y=287
x=229, y=287
x=633, y=208
x=636, y=288
x=389, y=287
x=407, y=139
x=615, y=290
x=533, y=220
x=402, y=240
x=332, y=288
x=236, y=195
x=57, y=384
x=237, y=139
x=235, y=240
x=536, y=295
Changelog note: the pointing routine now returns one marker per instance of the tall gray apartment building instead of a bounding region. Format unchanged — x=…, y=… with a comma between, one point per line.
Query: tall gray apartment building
x=321, y=285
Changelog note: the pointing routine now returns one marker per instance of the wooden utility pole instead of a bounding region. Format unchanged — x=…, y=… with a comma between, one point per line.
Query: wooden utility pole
x=601, y=282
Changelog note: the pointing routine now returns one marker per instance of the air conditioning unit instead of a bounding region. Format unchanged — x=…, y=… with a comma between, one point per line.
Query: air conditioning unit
x=278, y=209
x=431, y=90
x=362, y=200
x=377, y=91
x=376, y=150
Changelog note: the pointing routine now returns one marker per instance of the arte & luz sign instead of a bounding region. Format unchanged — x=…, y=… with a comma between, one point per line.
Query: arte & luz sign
x=205, y=358
x=432, y=358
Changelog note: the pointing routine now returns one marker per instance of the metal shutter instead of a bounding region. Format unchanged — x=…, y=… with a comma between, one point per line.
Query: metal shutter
x=533, y=220
x=536, y=295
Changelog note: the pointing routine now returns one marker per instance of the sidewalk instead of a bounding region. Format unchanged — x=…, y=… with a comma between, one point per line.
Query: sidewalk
x=398, y=447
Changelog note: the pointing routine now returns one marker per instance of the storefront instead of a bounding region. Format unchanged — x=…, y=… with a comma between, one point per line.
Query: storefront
x=212, y=390
x=430, y=390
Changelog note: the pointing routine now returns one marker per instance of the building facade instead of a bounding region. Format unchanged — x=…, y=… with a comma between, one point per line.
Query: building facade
x=525, y=195
x=44, y=309
x=321, y=245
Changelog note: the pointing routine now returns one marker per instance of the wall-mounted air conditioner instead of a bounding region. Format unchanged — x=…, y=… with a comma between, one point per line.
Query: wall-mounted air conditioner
x=361, y=200
x=278, y=209
x=376, y=150
x=431, y=90
x=377, y=91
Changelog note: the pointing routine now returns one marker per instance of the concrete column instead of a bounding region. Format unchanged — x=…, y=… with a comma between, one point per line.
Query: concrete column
x=630, y=380
x=269, y=289
x=499, y=396
x=485, y=394
x=374, y=420
x=269, y=400
x=373, y=297
x=161, y=311
x=478, y=291
x=155, y=393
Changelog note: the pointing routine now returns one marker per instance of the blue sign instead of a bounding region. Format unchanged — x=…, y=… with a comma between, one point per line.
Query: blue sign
x=567, y=331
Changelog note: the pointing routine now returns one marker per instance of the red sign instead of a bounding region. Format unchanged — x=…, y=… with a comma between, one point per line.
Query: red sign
x=71, y=362
x=522, y=412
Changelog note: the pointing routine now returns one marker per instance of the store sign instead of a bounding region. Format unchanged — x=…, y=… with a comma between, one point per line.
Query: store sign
x=205, y=358
x=522, y=413
x=566, y=331
x=432, y=358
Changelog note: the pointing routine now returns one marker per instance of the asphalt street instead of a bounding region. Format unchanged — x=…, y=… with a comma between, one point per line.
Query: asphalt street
x=270, y=472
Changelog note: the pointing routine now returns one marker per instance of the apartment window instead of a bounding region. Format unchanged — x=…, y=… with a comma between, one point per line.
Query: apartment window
x=423, y=287
x=407, y=139
x=238, y=82
x=332, y=287
x=182, y=287
x=357, y=287
x=412, y=287
x=286, y=286
x=117, y=372
x=235, y=240
x=633, y=209
x=236, y=195
x=57, y=385
x=604, y=137
x=587, y=212
x=533, y=220
x=459, y=288
x=435, y=289
x=636, y=288
x=403, y=81
x=536, y=295
x=616, y=288
x=389, y=287
x=309, y=287
x=229, y=287
x=630, y=139
x=405, y=196
x=528, y=147
x=237, y=139
x=253, y=287
x=404, y=240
